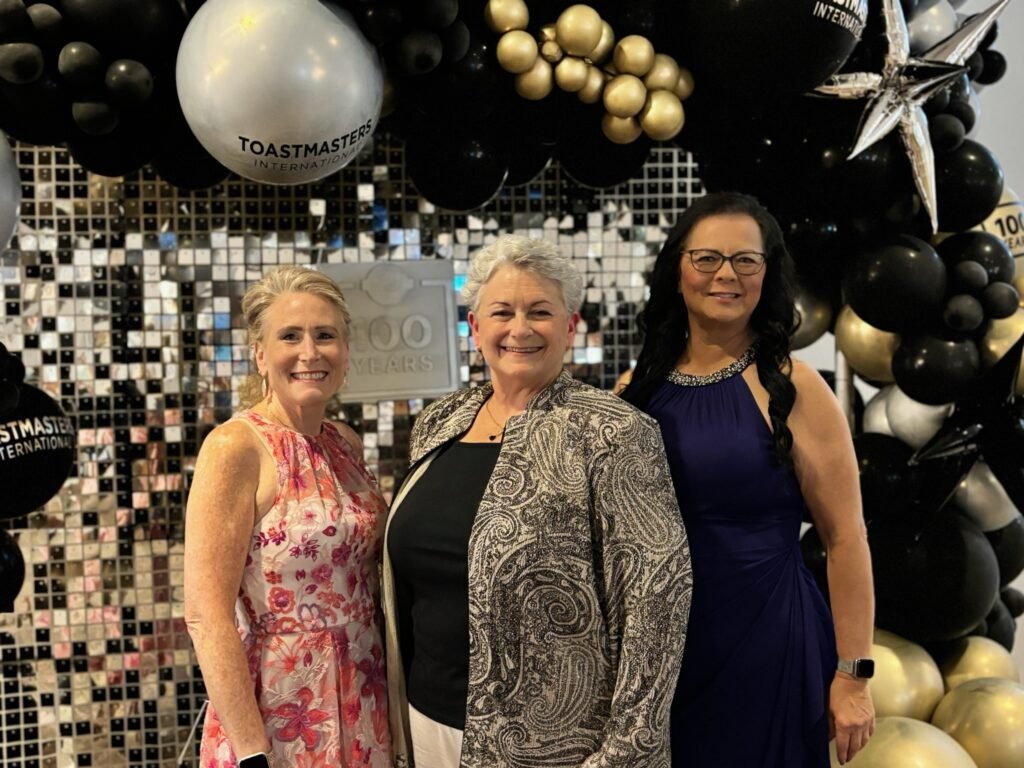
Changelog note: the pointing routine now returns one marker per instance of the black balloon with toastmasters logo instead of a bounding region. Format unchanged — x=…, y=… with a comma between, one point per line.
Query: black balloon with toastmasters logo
x=37, y=442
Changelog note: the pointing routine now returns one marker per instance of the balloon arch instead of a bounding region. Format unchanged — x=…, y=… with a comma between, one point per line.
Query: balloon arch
x=859, y=136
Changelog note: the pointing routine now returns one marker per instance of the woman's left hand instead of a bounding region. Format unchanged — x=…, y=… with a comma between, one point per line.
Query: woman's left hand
x=852, y=715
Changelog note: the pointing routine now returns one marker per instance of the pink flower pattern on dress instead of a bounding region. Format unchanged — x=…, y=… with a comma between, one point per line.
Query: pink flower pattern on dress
x=308, y=611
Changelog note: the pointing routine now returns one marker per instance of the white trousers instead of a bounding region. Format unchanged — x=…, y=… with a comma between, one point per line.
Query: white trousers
x=434, y=745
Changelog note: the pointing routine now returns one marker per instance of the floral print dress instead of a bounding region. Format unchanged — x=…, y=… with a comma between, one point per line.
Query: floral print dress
x=308, y=609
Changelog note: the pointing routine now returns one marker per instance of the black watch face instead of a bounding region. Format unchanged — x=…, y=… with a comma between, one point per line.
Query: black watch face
x=256, y=761
x=864, y=668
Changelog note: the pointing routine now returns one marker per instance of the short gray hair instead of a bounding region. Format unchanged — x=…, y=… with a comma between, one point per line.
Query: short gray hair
x=540, y=257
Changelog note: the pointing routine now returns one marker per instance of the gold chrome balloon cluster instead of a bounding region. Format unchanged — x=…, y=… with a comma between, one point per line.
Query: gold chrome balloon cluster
x=642, y=91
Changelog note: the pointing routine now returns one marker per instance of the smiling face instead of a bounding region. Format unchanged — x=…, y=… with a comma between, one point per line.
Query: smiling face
x=722, y=297
x=522, y=328
x=304, y=350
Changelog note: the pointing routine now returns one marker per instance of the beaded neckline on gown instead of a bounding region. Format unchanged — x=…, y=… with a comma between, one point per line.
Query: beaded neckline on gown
x=693, y=380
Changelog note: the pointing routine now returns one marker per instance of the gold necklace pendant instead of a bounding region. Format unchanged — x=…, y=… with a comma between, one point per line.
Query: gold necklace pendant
x=501, y=427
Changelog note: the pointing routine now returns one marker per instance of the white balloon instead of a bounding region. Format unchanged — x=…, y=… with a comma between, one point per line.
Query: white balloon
x=279, y=91
x=875, y=419
x=10, y=192
x=931, y=25
x=983, y=498
x=912, y=422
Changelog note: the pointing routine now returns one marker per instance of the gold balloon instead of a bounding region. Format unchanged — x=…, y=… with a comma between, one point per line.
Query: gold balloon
x=1007, y=222
x=664, y=73
x=634, y=55
x=621, y=130
x=815, y=313
x=579, y=30
x=624, y=95
x=591, y=91
x=1002, y=335
x=986, y=716
x=907, y=682
x=571, y=74
x=662, y=116
x=975, y=657
x=537, y=82
x=516, y=51
x=604, y=45
x=548, y=32
x=900, y=742
x=684, y=88
x=505, y=15
x=551, y=51
x=868, y=349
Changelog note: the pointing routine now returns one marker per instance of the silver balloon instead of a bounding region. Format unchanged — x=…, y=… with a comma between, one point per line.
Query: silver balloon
x=10, y=192
x=279, y=91
x=895, y=96
x=875, y=419
x=930, y=26
x=984, y=500
x=912, y=422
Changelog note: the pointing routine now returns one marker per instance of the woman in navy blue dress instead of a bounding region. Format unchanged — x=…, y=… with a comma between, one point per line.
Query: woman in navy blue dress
x=755, y=440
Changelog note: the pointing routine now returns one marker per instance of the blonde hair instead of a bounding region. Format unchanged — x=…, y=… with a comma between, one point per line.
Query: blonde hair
x=537, y=256
x=260, y=296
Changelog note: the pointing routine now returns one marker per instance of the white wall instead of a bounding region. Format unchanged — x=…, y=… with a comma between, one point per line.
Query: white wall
x=1001, y=129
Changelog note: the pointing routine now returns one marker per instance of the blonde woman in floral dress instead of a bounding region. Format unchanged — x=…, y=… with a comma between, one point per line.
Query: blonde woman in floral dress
x=282, y=541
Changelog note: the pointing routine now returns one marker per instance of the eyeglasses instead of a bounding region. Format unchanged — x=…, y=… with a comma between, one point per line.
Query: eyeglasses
x=742, y=262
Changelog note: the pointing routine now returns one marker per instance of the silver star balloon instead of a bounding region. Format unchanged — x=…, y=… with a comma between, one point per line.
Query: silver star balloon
x=905, y=83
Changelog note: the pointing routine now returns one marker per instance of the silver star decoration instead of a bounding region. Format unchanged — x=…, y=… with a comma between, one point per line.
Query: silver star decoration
x=906, y=82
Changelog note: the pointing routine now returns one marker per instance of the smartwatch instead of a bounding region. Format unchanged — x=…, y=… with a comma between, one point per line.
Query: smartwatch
x=863, y=669
x=258, y=760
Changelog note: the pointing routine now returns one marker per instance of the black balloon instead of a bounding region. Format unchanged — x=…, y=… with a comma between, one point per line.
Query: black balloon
x=48, y=23
x=382, y=22
x=12, y=571
x=15, y=23
x=934, y=581
x=434, y=14
x=41, y=446
x=146, y=30
x=1013, y=599
x=993, y=68
x=456, y=40
x=897, y=285
x=459, y=171
x=963, y=113
x=970, y=277
x=20, y=63
x=803, y=48
x=587, y=156
x=935, y=371
x=882, y=461
x=81, y=66
x=983, y=248
x=1000, y=300
x=963, y=313
x=122, y=151
x=36, y=113
x=968, y=184
x=1008, y=544
x=1000, y=625
x=183, y=161
x=418, y=52
x=947, y=132
x=129, y=82
x=94, y=118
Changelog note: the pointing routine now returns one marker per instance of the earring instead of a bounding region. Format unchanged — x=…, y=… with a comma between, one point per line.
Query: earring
x=264, y=385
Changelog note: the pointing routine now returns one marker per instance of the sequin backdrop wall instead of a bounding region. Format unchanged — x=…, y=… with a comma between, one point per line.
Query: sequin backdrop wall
x=122, y=297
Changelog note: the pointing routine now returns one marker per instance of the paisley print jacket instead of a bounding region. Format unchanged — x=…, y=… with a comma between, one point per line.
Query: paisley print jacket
x=579, y=586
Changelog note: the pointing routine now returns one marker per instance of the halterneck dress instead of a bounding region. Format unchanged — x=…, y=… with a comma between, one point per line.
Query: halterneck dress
x=308, y=610
x=760, y=647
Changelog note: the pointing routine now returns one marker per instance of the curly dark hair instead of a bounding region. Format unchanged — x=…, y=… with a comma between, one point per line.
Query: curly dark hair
x=665, y=326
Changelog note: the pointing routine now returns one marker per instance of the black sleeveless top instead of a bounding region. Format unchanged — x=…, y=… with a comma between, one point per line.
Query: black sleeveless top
x=428, y=543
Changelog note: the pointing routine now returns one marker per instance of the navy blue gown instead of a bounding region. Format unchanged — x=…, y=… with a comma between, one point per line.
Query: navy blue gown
x=760, y=647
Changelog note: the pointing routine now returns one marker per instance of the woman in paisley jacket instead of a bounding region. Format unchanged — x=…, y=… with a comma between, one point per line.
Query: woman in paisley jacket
x=536, y=574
